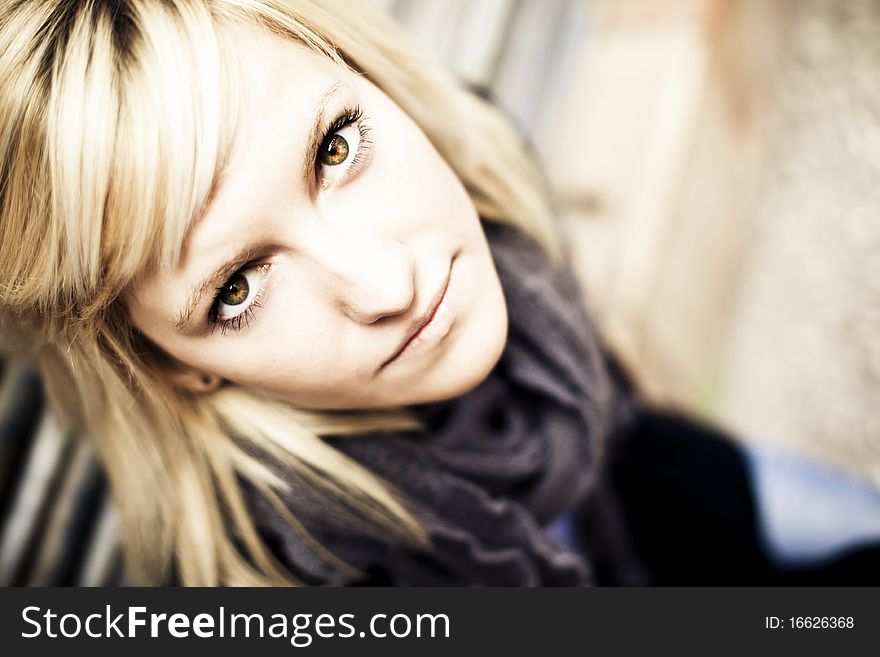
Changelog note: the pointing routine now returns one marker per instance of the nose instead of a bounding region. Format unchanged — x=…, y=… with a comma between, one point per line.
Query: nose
x=369, y=277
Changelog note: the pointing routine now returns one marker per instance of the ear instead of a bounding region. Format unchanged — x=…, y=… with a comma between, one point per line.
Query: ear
x=194, y=380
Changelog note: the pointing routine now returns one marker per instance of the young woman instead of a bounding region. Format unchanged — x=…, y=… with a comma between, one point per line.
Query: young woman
x=305, y=295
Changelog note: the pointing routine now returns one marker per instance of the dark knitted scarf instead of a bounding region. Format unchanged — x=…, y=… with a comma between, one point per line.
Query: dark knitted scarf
x=499, y=462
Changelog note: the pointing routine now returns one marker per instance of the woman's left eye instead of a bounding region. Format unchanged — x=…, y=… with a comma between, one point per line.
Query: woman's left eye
x=344, y=150
x=337, y=147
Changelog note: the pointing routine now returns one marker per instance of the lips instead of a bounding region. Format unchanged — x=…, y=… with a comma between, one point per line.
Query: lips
x=424, y=318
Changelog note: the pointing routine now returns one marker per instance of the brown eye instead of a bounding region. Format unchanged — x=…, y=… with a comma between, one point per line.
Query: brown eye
x=334, y=151
x=235, y=291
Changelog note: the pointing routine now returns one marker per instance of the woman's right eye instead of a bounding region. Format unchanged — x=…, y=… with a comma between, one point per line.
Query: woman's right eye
x=236, y=290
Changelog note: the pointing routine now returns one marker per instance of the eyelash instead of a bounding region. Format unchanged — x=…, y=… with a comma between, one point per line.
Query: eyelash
x=348, y=116
x=234, y=323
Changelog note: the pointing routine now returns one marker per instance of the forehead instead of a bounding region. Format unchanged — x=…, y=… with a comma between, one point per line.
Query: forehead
x=273, y=74
x=279, y=86
x=259, y=54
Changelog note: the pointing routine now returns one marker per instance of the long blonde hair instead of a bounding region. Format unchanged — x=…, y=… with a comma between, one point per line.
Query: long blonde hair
x=114, y=121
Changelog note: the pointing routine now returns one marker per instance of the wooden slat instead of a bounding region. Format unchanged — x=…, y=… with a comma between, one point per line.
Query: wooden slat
x=573, y=35
x=102, y=559
x=76, y=508
x=432, y=24
x=529, y=54
x=21, y=400
x=32, y=500
x=479, y=41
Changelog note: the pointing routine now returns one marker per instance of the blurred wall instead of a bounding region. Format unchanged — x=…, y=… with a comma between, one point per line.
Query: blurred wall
x=803, y=360
x=718, y=162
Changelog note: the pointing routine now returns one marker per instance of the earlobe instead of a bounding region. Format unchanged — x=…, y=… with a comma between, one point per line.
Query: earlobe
x=195, y=380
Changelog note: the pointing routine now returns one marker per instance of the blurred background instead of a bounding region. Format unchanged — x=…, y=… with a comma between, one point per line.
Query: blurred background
x=716, y=165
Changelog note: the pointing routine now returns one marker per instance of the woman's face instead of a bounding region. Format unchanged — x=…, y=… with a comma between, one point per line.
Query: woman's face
x=331, y=234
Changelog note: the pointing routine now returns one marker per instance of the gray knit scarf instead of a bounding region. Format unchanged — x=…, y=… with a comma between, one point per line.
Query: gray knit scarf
x=498, y=463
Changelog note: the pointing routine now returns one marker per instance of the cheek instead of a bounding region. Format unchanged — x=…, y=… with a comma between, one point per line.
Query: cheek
x=429, y=182
x=292, y=339
x=299, y=347
x=411, y=174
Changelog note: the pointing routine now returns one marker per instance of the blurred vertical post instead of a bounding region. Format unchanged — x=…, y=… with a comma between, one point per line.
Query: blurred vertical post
x=658, y=152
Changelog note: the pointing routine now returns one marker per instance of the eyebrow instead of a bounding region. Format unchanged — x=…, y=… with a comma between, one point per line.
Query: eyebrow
x=317, y=132
x=221, y=274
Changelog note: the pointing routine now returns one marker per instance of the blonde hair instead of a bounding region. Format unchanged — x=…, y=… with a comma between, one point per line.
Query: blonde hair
x=114, y=121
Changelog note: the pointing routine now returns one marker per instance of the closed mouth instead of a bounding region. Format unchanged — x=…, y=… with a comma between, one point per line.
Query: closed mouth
x=425, y=318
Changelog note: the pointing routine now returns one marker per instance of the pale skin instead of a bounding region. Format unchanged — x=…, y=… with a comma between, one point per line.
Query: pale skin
x=343, y=261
